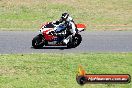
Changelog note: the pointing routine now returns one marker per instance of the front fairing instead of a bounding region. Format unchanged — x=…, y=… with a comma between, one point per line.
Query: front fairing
x=46, y=27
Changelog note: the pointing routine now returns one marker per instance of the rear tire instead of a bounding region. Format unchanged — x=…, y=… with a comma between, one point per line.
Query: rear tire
x=76, y=40
x=38, y=42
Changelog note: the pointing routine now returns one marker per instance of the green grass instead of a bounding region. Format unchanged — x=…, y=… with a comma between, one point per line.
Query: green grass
x=96, y=14
x=59, y=70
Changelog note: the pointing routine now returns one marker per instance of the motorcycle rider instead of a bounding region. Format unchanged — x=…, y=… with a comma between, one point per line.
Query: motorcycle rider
x=67, y=20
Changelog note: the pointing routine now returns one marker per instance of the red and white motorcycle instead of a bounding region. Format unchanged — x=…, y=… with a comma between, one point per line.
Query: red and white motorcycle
x=47, y=37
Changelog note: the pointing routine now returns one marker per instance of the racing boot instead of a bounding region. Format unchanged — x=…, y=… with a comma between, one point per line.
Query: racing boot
x=65, y=41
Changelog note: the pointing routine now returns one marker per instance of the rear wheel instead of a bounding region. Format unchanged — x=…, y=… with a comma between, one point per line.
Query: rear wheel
x=76, y=40
x=38, y=42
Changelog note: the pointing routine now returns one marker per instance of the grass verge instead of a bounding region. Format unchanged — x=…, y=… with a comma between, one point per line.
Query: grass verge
x=59, y=70
x=96, y=14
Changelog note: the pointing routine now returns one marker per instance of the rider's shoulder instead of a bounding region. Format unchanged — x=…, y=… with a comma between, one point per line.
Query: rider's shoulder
x=69, y=18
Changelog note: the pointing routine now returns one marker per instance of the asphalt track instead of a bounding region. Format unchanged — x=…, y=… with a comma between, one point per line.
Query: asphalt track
x=98, y=41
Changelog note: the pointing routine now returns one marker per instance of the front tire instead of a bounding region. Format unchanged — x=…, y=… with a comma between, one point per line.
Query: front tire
x=38, y=42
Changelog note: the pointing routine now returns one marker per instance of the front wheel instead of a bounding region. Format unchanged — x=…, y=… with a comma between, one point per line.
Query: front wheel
x=38, y=42
x=76, y=40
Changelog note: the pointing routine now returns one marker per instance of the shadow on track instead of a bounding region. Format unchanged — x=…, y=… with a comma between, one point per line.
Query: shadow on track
x=51, y=47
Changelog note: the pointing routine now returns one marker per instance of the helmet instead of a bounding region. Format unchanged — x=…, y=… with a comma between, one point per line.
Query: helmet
x=64, y=16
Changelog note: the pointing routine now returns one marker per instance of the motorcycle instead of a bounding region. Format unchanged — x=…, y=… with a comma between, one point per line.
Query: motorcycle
x=53, y=35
